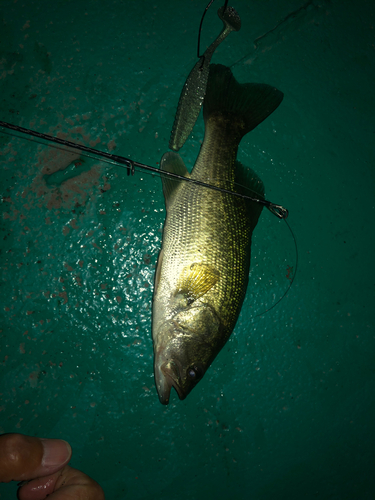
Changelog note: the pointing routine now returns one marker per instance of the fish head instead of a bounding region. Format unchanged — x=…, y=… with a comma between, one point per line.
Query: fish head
x=186, y=346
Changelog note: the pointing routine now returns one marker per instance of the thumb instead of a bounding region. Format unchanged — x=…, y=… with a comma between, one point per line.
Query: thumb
x=25, y=457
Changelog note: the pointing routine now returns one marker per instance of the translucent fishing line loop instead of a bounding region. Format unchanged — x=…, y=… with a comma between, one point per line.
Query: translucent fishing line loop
x=293, y=277
x=278, y=210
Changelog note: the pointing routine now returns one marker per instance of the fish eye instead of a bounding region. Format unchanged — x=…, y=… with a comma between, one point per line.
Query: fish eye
x=195, y=372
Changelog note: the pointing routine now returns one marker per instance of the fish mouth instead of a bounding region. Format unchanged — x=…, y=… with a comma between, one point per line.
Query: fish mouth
x=167, y=376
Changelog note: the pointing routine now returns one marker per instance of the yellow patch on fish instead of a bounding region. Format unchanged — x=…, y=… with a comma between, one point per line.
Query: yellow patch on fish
x=196, y=280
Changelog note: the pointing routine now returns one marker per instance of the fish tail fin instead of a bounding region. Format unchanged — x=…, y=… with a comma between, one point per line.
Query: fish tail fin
x=250, y=103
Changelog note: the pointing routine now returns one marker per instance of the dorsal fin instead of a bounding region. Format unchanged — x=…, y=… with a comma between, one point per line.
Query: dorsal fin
x=249, y=183
x=172, y=162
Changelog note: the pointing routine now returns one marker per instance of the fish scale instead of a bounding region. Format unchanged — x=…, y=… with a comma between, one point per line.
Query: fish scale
x=220, y=224
x=203, y=267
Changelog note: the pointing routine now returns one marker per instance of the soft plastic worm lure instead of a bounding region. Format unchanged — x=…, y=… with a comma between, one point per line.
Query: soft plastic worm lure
x=194, y=89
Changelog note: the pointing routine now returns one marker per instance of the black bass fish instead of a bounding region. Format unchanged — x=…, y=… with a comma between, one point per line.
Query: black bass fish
x=203, y=266
x=194, y=90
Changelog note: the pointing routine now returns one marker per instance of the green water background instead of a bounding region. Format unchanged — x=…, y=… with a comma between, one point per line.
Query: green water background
x=287, y=409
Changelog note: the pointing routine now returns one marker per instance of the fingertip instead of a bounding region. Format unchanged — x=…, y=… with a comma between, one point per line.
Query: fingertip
x=19, y=455
x=26, y=457
x=56, y=453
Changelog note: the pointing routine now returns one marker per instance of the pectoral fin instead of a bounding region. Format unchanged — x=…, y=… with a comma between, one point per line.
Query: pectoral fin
x=196, y=280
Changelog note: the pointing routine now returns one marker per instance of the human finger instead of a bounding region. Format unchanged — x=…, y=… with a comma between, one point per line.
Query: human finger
x=66, y=484
x=26, y=457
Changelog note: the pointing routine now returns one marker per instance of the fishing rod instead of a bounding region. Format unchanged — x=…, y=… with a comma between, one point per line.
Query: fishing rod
x=278, y=210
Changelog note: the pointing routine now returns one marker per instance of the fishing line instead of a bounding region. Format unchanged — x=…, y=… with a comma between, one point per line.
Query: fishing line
x=295, y=265
x=278, y=210
x=115, y=160
x=200, y=26
x=294, y=273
